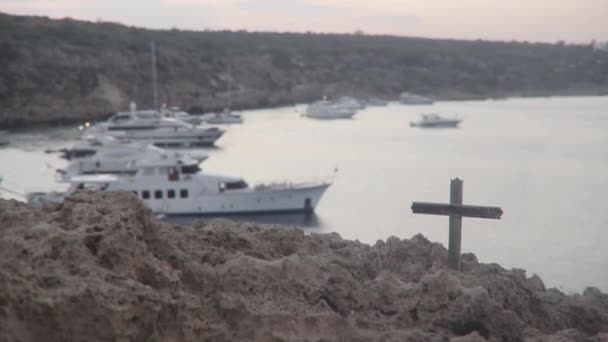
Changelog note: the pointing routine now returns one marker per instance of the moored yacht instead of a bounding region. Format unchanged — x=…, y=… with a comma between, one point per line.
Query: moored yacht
x=328, y=110
x=224, y=118
x=159, y=131
x=177, y=113
x=109, y=156
x=178, y=186
x=435, y=120
x=165, y=112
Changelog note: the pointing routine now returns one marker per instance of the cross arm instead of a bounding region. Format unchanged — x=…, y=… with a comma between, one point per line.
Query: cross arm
x=460, y=210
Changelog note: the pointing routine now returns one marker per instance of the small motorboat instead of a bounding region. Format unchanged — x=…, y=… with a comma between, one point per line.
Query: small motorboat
x=329, y=110
x=435, y=120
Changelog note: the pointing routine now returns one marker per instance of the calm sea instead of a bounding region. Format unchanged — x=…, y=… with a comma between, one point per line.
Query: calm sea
x=544, y=161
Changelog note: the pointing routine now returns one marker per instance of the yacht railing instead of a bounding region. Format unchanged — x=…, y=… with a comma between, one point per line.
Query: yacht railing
x=292, y=183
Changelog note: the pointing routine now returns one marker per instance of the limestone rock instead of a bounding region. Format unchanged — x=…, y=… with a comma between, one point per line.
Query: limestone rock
x=99, y=267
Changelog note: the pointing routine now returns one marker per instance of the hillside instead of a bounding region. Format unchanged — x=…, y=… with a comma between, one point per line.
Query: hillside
x=54, y=71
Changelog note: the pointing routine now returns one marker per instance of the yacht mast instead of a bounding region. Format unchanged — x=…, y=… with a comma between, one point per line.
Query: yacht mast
x=154, y=88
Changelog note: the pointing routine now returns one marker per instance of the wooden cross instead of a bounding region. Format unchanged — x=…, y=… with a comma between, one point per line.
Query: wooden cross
x=455, y=210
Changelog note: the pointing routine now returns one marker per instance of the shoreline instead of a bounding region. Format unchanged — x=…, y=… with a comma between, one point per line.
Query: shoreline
x=18, y=125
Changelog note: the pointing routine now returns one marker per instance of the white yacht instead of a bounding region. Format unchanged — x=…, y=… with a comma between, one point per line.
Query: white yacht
x=110, y=156
x=225, y=117
x=177, y=186
x=177, y=113
x=148, y=128
x=328, y=110
x=415, y=99
x=165, y=112
x=435, y=120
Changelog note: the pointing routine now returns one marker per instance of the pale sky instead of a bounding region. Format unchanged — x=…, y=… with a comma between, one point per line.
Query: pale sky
x=531, y=20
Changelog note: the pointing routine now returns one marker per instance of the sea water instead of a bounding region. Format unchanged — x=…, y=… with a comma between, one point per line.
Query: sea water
x=544, y=161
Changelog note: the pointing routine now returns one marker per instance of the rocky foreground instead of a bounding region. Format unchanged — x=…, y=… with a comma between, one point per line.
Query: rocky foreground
x=100, y=268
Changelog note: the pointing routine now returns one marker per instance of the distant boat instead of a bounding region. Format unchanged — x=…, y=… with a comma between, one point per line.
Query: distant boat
x=329, y=110
x=415, y=99
x=435, y=120
x=226, y=117
x=110, y=156
x=177, y=113
x=147, y=128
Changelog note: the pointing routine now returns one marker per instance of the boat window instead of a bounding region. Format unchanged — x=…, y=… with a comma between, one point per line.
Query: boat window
x=173, y=175
x=170, y=193
x=82, y=153
x=163, y=171
x=148, y=171
x=183, y=193
x=145, y=194
x=158, y=194
x=241, y=184
x=190, y=169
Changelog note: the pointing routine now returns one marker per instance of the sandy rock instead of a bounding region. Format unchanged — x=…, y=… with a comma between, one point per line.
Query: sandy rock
x=99, y=268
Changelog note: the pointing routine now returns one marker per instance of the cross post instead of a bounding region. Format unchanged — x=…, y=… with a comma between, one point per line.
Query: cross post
x=456, y=210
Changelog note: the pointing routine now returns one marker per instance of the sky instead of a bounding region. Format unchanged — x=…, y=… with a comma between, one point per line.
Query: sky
x=576, y=21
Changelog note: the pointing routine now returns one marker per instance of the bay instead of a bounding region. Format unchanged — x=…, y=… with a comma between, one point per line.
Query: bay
x=543, y=160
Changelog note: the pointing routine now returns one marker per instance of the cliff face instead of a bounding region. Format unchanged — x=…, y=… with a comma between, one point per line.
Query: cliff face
x=65, y=70
x=100, y=268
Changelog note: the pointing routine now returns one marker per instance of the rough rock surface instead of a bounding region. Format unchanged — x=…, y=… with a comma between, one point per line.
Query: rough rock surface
x=100, y=268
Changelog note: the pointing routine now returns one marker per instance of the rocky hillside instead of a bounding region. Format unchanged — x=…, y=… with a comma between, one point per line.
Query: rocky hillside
x=100, y=268
x=54, y=71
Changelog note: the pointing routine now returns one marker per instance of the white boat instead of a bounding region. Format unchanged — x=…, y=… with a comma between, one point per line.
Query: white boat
x=177, y=186
x=225, y=117
x=165, y=112
x=328, y=110
x=109, y=156
x=177, y=113
x=147, y=128
x=435, y=120
x=415, y=99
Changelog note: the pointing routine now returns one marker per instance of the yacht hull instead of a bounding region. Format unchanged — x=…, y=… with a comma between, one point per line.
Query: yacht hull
x=446, y=124
x=246, y=202
x=302, y=199
x=172, y=140
x=331, y=117
x=225, y=120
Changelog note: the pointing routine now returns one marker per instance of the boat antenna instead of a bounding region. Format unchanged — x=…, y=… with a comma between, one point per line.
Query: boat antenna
x=154, y=87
